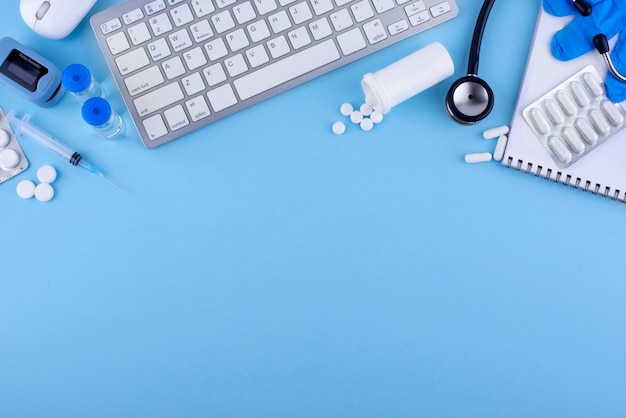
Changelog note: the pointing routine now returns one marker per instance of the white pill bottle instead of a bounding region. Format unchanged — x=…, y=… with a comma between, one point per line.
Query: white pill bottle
x=407, y=77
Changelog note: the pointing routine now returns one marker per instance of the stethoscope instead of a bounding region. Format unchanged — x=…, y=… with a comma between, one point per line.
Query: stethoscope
x=470, y=99
x=599, y=41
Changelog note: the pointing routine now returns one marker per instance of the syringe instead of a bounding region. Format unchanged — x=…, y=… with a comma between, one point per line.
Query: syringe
x=24, y=127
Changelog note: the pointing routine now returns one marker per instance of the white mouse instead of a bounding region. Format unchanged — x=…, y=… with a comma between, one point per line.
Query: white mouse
x=54, y=19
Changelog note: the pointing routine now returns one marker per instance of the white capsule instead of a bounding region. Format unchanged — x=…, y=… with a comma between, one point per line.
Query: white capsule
x=4, y=138
x=44, y=192
x=346, y=109
x=580, y=96
x=367, y=124
x=599, y=122
x=26, y=189
x=356, y=116
x=496, y=132
x=553, y=111
x=376, y=116
x=498, y=153
x=9, y=159
x=559, y=149
x=586, y=131
x=339, y=128
x=539, y=121
x=593, y=85
x=46, y=174
x=478, y=157
x=612, y=113
x=566, y=103
x=573, y=141
x=366, y=109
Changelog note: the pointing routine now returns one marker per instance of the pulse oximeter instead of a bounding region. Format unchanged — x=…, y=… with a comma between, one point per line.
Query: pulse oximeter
x=29, y=74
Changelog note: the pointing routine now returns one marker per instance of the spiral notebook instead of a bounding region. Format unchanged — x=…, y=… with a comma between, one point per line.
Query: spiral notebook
x=602, y=171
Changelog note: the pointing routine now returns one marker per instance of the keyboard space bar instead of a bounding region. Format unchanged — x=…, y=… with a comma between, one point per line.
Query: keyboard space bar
x=286, y=69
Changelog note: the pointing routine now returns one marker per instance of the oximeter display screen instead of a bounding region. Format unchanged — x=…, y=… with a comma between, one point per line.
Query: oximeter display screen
x=23, y=70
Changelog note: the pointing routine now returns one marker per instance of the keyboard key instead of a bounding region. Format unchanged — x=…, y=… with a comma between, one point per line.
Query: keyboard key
x=258, y=31
x=223, y=21
x=214, y=74
x=320, y=29
x=244, y=12
x=193, y=84
x=201, y=31
x=194, y=58
x=202, y=7
x=118, y=43
x=139, y=33
x=155, y=127
x=132, y=61
x=236, y=65
x=158, y=99
x=144, y=81
x=440, y=9
x=265, y=6
x=181, y=15
x=375, y=31
x=160, y=24
x=133, y=16
x=176, y=117
x=286, y=69
x=197, y=108
x=351, y=41
x=110, y=26
x=173, y=67
x=222, y=97
x=180, y=40
x=159, y=49
x=154, y=7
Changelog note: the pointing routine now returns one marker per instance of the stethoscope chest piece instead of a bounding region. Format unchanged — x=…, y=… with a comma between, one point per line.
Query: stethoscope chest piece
x=469, y=100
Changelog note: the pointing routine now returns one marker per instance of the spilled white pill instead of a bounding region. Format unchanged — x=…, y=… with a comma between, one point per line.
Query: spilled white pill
x=559, y=149
x=44, y=192
x=496, y=132
x=539, y=121
x=367, y=124
x=9, y=159
x=586, y=131
x=46, y=174
x=376, y=116
x=339, y=128
x=346, y=109
x=573, y=141
x=478, y=157
x=612, y=113
x=26, y=189
x=566, y=103
x=4, y=138
x=498, y=153
x=356, y=116
x=366, y=109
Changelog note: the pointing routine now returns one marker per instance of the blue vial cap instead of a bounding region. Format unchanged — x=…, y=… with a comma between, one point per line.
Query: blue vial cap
x=76, y=78
x=97, y=111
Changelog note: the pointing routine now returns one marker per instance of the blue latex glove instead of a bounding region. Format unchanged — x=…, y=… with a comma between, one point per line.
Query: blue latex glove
x=575, y=39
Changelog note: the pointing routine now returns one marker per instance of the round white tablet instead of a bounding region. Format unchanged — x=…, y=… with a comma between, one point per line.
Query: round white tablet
x=367, y=124
x=356, y=116
x=46, y=174
x=44, y=192
x=366, y=109
x=4, y=138
x=339, y=128
x=26, y=189
x=346, y=109
x=376, y=116
x=9, y=159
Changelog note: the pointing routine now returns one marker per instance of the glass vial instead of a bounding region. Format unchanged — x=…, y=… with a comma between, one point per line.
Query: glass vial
x=98, y=113
x=78, y=80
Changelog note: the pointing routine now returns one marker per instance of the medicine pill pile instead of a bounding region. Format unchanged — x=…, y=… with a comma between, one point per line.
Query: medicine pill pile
x=12, y=158
x=575, y=117
x=365, y=116
x=43, y=192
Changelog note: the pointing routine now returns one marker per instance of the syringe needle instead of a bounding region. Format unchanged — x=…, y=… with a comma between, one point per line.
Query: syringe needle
x=114, y=183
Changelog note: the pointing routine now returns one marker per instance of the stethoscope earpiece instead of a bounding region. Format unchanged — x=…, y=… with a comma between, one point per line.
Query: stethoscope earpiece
x=469, y=100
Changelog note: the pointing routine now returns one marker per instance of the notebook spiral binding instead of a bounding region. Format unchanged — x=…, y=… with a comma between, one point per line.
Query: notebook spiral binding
x=568, y=180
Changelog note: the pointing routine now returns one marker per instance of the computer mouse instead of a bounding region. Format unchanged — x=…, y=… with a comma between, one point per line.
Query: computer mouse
x=54, y=19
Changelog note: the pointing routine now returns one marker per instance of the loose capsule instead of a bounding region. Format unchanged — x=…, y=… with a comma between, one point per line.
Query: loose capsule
x=498, y=153
x=478, y=157
x=594, y=87
x=599, y=122
x=559, y=149
x=566, y=103
x=553, y=111
x=579, y=94
x=573, y=141
x=496, y=132
x=586, y=131
x=612, y=113
x=539, y=121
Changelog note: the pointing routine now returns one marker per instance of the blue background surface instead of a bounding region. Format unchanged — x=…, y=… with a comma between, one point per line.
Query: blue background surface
x=265, y=267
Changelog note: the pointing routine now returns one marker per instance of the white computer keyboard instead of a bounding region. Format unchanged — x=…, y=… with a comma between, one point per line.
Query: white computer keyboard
x=183, y=64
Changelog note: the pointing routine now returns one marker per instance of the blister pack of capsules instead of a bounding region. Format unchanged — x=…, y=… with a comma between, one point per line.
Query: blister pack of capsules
x=12, y=158
x=575, y=117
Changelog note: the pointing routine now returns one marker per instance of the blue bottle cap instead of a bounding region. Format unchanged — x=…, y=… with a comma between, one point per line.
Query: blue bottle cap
x=97, y=111
x=76, y=78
